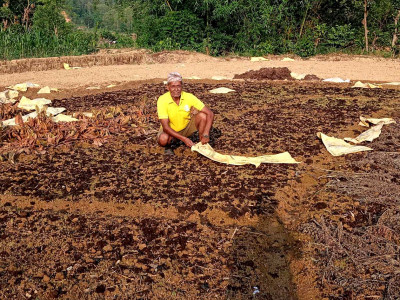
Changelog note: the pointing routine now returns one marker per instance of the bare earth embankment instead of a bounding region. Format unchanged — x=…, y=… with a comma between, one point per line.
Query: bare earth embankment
x=94, y=210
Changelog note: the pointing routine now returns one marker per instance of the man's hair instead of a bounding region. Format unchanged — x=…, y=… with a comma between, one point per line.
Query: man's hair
x=174, y=76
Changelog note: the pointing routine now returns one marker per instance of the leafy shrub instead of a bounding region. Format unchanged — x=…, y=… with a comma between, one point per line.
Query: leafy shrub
x=339, y=36
x=175, y=30
x=48, y=19
x=305, y=46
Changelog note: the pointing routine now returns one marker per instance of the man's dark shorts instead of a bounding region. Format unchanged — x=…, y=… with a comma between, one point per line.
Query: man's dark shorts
x=186, y=132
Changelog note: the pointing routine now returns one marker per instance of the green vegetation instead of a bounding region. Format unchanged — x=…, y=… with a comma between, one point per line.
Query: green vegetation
x=217, y=27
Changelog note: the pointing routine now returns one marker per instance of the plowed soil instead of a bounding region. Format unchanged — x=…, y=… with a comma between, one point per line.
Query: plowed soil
x=94, y=210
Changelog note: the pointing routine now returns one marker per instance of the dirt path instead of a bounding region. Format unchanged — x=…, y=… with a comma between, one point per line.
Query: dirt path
x=198, y=65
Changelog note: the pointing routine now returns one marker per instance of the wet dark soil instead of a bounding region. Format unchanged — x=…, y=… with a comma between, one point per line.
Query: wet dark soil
x=271, y=74
x=226, y=236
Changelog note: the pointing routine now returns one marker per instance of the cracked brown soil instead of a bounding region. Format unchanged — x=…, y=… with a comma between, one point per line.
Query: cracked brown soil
x=117, y=219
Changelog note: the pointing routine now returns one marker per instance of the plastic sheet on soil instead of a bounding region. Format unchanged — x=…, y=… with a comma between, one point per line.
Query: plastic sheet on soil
x=209, y=152
x=221, y=90
x=28, y=104
x=338, y=147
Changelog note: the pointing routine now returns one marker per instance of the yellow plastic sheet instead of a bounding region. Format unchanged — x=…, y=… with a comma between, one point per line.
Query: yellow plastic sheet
x=221, y=90
x=44, y=90
x=68, y=67
x=64, y=118
x=338, y=147
x=23, y=87
x=297, y=76
x=209, y=152
x=258, y=58
x=28, y=104
x=359, y=84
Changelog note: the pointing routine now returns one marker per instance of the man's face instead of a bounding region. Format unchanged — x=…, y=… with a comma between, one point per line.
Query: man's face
x=175, y=88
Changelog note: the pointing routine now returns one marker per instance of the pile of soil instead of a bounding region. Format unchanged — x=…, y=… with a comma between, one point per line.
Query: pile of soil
x=266, y=74
x=271, y=74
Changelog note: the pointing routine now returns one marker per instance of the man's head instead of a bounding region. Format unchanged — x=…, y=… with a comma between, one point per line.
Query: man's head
x=174, y=84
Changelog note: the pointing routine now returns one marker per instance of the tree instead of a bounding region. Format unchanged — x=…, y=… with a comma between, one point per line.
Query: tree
x=48, y=18
x=396, y=4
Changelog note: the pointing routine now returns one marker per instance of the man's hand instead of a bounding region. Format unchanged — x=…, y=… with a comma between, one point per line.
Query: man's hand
x=205, y=139
x=188, y=142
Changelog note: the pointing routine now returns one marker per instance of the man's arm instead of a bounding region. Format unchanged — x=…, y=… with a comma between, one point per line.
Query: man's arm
x=168, y=130
x=205, y=137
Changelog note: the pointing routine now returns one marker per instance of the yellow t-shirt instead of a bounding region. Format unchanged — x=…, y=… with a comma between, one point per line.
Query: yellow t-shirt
x=178, y=115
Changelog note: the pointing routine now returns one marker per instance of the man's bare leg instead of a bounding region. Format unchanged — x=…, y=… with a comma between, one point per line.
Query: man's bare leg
x=201, y=121
x=164, y=139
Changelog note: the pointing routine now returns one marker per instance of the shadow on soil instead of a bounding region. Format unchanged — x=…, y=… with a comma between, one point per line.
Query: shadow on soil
x=261, y=256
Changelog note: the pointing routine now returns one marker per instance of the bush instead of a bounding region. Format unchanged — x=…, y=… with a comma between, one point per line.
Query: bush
x=305, y=47
x=48, y=19
x=175, y=30
x=339, y=36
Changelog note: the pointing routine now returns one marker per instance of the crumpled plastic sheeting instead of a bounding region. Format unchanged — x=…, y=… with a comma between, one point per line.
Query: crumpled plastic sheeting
x=23, y=87
x=209, y=152
x=367, y=136
x=67, y=67
x=4, y=100
x=44, y=90
x=287, y=59
x=54, y=110
x=221, y=90
x=359, y=84
x=337, y=80
x=50, y=111
x=297, y=76
x=366, y=121
x=258, y=58
x=220, y=78
x=28, y=104
x=392, y=83
x=64, y=118
x=338, y=147
x=8, y=96
x=11, y=122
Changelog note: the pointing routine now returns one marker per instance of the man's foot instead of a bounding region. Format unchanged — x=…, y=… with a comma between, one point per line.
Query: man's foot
x=168, y=151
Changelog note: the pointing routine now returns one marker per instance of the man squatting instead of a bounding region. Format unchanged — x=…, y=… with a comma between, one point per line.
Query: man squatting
x=181, y=114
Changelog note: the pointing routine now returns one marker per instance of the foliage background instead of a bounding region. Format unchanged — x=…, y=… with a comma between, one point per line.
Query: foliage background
x=32, y=28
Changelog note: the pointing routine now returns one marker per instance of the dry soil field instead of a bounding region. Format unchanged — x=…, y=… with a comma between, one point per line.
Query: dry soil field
x=94, y=210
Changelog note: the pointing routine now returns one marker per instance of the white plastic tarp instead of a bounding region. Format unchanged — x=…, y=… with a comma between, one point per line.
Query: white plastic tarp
x=336, y=80
x=338, y=147
x=209, y=152
x=367, y=136
x=221, y=90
